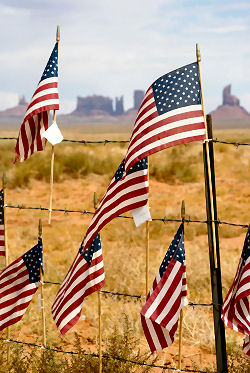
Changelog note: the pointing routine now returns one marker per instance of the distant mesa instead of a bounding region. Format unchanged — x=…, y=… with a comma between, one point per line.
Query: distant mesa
x=101, y=106
x=230, y=108
x=17, y=111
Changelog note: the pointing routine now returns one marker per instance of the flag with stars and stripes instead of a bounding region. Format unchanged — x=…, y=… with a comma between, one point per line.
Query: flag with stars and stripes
x=125, y=193
x=168, y=295
x=36, y=118
x=18, y=283
x=2, y=240
x=85, y=276
x=235, y=310
x=170, y=114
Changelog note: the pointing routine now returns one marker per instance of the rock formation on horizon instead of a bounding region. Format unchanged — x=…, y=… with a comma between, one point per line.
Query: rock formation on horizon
x=230, y=108
x=16, y=111
x=96, y=105
x=93, y=106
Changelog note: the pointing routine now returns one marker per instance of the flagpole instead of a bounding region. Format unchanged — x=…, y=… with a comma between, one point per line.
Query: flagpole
x=99, y=310
x=181, y=311
x=147, y=248
x=41, y=292
x=53, y=148
x=6, y=254
x=213, y=237
x=208, y=159
x=215, y=273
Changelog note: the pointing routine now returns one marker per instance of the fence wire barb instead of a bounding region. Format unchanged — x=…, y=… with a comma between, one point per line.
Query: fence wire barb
x=85, y=142
x=235, y=143
x=164, y=219
x=105, y=356
x=137, y=296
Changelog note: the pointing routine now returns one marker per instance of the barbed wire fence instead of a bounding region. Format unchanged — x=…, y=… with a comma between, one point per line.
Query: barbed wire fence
x=136, y=297
x=86, y=142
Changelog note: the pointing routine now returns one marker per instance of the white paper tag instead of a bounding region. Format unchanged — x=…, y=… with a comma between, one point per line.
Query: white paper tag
x=141, y=214
x=53, y=134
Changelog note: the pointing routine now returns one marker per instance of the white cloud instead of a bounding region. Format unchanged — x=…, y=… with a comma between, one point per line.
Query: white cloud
x=245, y=101
x=8, y=99
x=112, y=47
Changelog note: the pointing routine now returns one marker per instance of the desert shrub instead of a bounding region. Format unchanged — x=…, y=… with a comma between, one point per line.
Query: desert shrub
x=120, y=343
x=48, y=362
x=176, y=166
x=238, y=361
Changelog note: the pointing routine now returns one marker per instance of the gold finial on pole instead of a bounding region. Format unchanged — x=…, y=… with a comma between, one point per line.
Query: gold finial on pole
x=198, y=54
x=58, y=33
x=40, y=228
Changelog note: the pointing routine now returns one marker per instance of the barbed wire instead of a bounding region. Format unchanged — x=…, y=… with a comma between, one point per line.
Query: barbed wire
x=164, y=219
x=105, y=356
x=85, y=142
x=235, y=143
x=136, y=296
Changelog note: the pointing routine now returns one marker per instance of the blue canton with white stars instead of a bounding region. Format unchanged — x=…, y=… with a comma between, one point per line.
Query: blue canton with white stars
x=1, y=208
x=51, y=69
x=246, y=248
x=138, y=166
x=176, y=250
x=93, y=248
x=33, y=260
x=177, y=89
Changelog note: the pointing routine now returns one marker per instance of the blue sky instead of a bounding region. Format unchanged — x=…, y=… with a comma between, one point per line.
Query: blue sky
x=112, y=47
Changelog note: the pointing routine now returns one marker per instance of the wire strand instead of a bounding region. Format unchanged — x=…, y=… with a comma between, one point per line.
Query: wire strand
x=85, y=142
x=105, y=356
x=164, y=219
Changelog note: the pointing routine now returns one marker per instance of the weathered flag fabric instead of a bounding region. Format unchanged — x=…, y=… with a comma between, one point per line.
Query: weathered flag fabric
x=170, y=114
x=2, y=240
x=124, y=193
x=18, y=283
x=36, y=117
x=85, y=276
x=235, y=309
x=168, y=295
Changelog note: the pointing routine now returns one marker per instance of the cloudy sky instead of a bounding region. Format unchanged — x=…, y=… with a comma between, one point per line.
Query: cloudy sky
x=111, y=47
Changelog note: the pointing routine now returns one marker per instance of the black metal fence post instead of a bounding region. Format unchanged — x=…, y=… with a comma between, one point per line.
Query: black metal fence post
x=215, y=269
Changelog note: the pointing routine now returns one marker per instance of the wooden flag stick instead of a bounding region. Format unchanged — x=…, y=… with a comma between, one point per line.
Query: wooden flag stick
x=208, y=160
x=53, y=150
x=99, y=310
x=147, y=249
x=41, y=292
x=181, y=311
x=6, y=254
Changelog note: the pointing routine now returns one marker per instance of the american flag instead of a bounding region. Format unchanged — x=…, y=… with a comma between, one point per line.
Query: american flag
x=36, y=117
x=18, y=283
x=168, y=295
x=2, y=241
x=235, y=309
x=170, y=114
x=123, y=194
x=85, y=276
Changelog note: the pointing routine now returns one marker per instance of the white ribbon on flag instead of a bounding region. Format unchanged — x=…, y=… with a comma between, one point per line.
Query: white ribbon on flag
x=141, y=214
x=53, y=134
